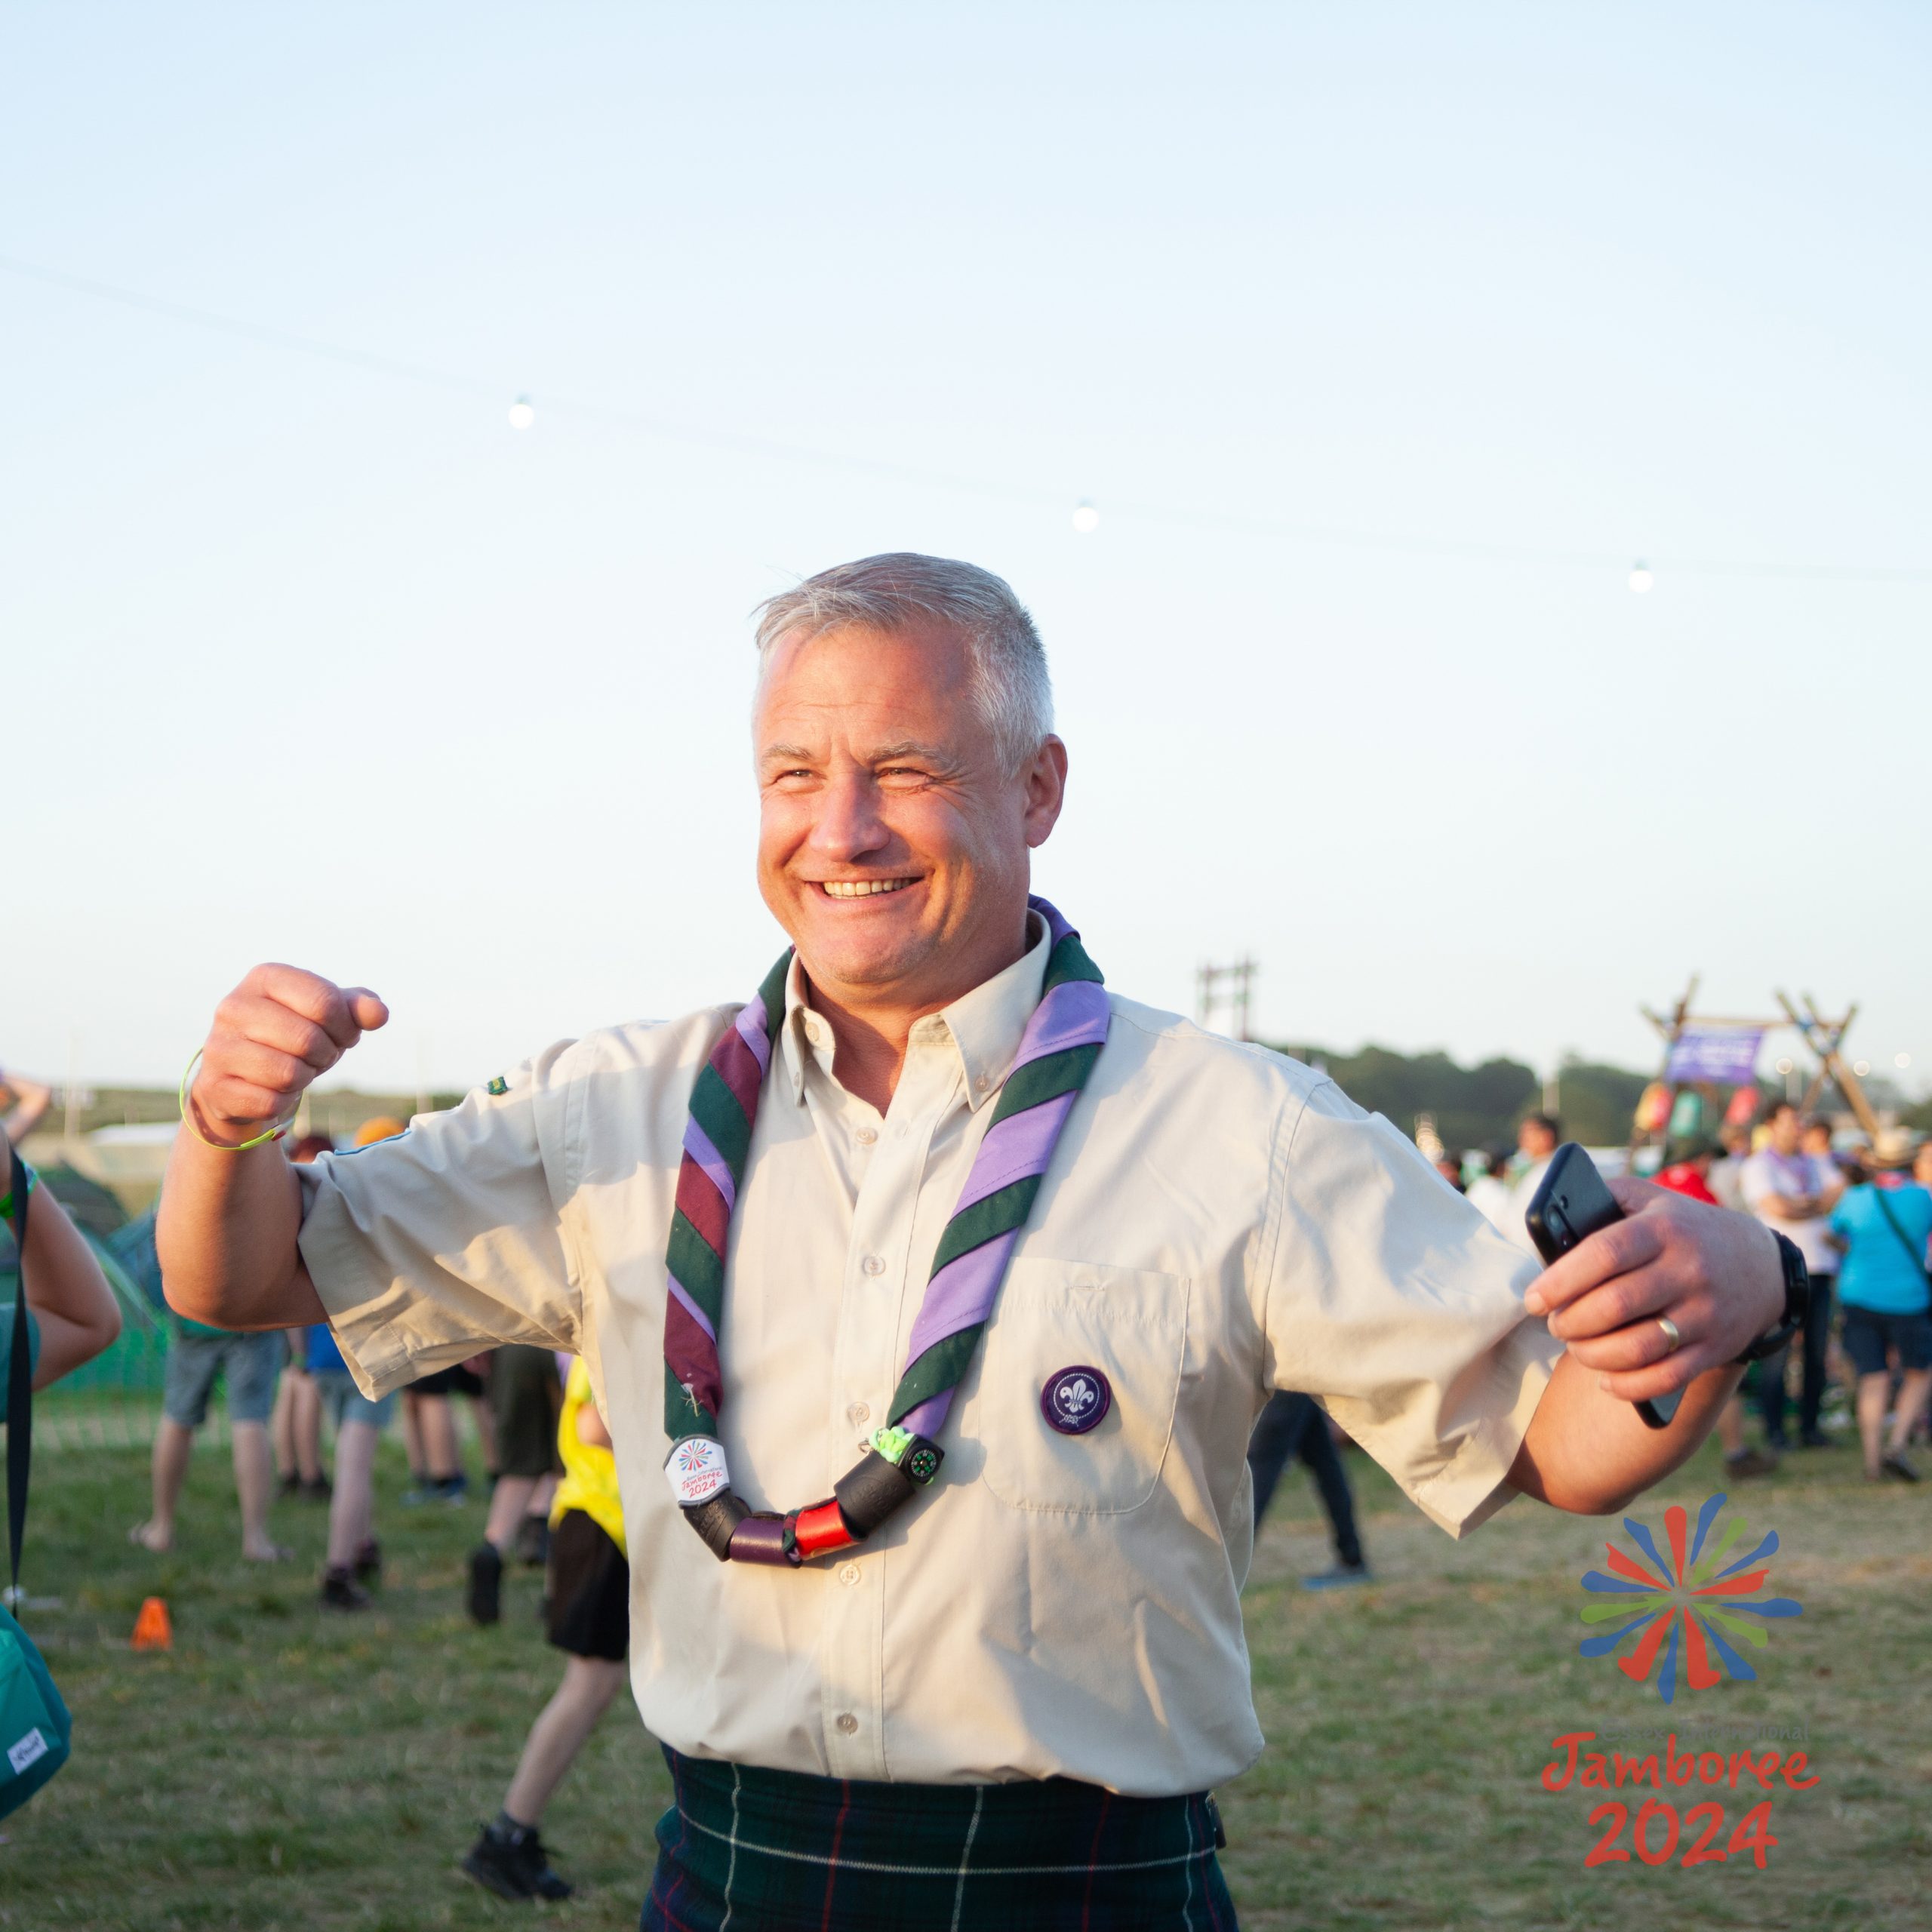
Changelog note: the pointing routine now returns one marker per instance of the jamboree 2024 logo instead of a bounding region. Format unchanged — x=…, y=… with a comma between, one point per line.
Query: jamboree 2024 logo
x=1691, y=1608
x=1689, y=1612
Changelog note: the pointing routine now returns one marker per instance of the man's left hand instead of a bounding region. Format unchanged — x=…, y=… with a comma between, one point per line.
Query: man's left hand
x=1716, y=1274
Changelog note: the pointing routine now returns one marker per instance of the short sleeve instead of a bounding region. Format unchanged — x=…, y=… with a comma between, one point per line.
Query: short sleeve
x=450, y=1237
x=1755, y=1183
x=1395, y=1304
x=1840, y=1223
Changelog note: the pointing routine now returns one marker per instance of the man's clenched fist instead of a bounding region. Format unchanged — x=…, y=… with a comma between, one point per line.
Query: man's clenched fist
x=278, y=1030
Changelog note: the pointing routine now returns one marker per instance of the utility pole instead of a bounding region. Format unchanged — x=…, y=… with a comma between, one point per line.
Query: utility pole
x=1229, y=988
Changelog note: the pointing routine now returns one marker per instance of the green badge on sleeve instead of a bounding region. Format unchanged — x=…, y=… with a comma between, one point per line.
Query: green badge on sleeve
x=498, y=1085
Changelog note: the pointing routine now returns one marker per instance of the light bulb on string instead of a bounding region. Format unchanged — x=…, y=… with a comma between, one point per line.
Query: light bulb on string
x=1086, y=518
x=1640, y=579
x=523, y=413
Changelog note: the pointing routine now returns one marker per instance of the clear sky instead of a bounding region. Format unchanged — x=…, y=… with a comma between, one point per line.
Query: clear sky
x=305, y=660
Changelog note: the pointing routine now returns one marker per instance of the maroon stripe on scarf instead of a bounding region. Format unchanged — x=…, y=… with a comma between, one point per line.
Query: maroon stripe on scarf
x=692, y=1356
x=704, y=1206
x=738, y=1068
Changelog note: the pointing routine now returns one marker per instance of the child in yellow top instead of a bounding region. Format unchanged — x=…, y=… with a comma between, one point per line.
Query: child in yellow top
x=589, y=1593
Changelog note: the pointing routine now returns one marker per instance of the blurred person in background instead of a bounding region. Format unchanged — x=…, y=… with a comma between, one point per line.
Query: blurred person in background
x=1793, y=1193
x=71, y=1313
x=1489, y=1192
x=1688, y=1166
x=589, y=1621
x=1726, y=1178
x=1293, y=1424
x=26, y=1104
x=1883, y=1226
x=1537, y=1140
x=296, y=1425
x=249, y=1366
x=355, y=1558
x=1816, y=1140
x=525, y=1398
x=429, y=1433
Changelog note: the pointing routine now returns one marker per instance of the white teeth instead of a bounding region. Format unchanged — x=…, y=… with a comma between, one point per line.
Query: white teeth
x=861, y=888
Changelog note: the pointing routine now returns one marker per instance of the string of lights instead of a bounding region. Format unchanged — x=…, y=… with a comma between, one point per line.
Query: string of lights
x=1642, y=574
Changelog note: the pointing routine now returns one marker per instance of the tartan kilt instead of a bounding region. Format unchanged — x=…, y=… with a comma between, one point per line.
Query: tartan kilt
x=778, y=1851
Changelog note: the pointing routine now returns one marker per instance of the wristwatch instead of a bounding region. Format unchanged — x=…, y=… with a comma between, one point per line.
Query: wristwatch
x=1797, y=1302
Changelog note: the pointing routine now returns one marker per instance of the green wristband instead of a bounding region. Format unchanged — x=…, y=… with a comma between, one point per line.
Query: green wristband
x=220, y=1147
x=6, y=1199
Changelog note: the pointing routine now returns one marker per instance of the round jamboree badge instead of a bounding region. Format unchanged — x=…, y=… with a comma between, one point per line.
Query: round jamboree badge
x=696, y=1468
x=1076, y=1400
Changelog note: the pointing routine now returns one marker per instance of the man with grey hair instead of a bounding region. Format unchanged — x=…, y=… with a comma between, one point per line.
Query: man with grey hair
x=1034, y=1254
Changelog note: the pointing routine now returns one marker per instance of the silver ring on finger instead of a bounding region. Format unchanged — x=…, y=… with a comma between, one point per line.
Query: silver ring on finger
x=1673, y=1338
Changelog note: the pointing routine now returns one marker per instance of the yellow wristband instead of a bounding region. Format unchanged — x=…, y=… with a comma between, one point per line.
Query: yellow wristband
x=220, y=1147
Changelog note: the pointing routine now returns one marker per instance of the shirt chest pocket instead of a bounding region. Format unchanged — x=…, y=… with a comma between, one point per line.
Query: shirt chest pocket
x=1127, y=1329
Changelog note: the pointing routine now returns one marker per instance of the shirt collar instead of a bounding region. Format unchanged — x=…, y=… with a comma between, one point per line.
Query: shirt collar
x=984, y=1026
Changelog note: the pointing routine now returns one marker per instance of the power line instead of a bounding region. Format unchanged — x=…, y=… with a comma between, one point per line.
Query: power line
x=1086, y=515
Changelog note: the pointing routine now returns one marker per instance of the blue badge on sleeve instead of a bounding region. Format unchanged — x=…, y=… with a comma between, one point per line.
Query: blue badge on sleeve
x=1076, y=1400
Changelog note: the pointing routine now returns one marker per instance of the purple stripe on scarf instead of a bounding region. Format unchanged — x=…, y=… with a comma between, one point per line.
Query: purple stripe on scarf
x=697, y=1144
x=1022, y=1144
x=1057, y=928
x=682, y=1296
x=1075, y=1014
x=961, y=1293
x=929, y=1418
x=750, y=1024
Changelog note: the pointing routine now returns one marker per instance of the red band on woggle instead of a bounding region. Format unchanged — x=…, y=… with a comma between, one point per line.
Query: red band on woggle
x=821, y=1530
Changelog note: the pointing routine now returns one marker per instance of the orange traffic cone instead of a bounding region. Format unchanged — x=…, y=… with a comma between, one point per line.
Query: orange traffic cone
x=152, y=1631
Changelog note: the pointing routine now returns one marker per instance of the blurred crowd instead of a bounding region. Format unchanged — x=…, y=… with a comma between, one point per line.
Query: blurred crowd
x=1858, y=1209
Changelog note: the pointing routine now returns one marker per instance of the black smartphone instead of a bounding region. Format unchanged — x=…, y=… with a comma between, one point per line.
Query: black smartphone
x=1571, y=1202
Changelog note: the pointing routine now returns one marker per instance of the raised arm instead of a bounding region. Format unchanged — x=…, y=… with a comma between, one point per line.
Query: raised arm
x=31, y=1100
x=67, y=1294
x=229, y=1221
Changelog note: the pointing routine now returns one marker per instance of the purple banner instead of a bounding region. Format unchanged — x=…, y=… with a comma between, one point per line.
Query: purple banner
x=1727, y=1056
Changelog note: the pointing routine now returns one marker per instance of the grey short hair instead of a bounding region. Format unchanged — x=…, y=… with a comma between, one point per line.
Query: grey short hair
x=1011, y=689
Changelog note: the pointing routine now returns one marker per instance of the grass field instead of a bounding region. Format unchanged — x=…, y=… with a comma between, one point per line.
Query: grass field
x=280, y=1768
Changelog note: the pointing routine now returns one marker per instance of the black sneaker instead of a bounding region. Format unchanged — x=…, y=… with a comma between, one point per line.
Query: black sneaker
x=486, y=1584
x=516, y=1868
x=369, y=1562
x=319, y=1490
x=1895, y=1467
x=1749, y=1463
x=533, y=1542
x=340, y=1591
x=289, y=1485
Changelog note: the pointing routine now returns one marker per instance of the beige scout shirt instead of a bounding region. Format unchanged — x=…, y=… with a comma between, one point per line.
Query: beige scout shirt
x=1218, y=1221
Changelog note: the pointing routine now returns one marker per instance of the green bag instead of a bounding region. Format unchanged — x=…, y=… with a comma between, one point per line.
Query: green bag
x=35, y=1731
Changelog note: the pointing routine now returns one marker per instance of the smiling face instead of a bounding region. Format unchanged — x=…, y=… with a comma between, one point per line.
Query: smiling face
x=893, y=837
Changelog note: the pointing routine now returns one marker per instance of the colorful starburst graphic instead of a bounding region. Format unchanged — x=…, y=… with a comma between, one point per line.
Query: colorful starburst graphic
x=1687, y=1609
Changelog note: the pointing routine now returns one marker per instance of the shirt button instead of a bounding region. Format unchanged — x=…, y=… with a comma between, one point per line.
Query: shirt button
x=848, y=1575
x=857, y=1412
x=874, y=1264
x=847, y=1723
x=983, y=1082
x=866, y=1137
